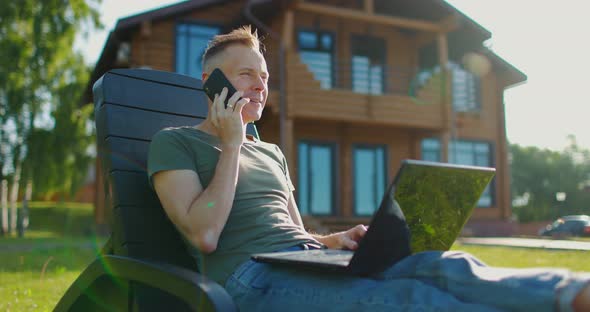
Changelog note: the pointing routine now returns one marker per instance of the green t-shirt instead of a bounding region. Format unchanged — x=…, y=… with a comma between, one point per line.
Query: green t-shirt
x=259, y=220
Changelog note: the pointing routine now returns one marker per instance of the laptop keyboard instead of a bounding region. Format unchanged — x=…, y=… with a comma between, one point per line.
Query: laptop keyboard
x=318, y=255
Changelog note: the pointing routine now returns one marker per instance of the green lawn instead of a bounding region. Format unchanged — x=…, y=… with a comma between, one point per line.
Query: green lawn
x=25, y=286
x=34, y=275
x=35, y=271
x=528, y=257
x=48, y=219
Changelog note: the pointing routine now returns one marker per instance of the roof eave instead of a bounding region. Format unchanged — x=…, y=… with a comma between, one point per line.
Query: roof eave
x=107, y=56
x=163, y=12
x=512, y=76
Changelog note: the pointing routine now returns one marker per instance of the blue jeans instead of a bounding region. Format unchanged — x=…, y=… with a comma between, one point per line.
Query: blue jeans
x=427, y=281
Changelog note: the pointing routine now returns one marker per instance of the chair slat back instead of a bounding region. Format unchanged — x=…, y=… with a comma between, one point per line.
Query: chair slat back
x=131, y=105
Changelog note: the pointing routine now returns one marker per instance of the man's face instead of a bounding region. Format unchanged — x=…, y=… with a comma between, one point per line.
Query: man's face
x=246, y=69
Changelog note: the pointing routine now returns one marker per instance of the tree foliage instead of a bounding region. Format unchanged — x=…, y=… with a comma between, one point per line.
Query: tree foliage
x=41, y=78
x=64, y=168
x=538, y=175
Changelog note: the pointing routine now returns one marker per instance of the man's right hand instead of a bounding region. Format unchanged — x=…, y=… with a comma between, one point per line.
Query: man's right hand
x=200, y=214
x=344, y=240
x=228, y=121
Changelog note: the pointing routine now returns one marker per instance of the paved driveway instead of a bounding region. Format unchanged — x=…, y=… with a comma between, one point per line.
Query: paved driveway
x=526, y=242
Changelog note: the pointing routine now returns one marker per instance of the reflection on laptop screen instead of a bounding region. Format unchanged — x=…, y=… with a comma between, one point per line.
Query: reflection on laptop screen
x=437, y=201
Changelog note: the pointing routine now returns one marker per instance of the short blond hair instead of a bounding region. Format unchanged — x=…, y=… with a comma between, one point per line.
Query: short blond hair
x=242, y=36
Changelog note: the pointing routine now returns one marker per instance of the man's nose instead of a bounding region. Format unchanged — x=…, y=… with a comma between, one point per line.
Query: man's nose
x=259, y=84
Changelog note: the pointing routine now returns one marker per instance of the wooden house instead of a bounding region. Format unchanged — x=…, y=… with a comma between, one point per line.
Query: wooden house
x=356, y=86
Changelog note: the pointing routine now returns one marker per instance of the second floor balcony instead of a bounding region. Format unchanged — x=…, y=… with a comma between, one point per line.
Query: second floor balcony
x=363, y=91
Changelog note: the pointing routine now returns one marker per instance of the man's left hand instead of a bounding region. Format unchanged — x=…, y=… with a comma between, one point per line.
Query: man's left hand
x=344, y=240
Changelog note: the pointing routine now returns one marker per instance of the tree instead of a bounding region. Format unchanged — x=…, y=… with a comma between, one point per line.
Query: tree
x=63, y=169
x=539, y=175
x=36, y=40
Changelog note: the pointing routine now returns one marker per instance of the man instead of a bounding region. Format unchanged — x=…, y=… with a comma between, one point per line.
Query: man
x=230, y=195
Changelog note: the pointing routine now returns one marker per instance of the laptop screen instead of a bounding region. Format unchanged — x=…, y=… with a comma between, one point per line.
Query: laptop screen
x=437, y=200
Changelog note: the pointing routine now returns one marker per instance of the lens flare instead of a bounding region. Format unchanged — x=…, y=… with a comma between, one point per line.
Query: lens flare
x=477, y=64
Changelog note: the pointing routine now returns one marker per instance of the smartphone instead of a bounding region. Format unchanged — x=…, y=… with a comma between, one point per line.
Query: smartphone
x=215, y=83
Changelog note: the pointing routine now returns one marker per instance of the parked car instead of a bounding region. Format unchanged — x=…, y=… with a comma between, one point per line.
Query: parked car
x=578, y=225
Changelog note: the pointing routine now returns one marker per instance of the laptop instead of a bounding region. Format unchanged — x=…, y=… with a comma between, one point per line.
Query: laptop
x=424, y=208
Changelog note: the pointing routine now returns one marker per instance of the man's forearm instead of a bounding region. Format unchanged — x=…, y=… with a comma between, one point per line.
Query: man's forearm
x=327, y=240
x=210, y=210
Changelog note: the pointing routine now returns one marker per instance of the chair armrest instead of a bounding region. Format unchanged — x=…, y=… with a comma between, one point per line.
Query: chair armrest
x=198, y=292
x=107, y=248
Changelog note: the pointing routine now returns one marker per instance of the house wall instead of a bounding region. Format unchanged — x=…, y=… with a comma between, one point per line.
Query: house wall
x=485, y=126
x=401, y=57
x=400, y=143
x=343, y=117
x=154, y=45
x=348, y=4
x=482, y=125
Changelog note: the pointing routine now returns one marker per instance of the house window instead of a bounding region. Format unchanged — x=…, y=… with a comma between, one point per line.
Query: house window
x=431, y=150
x=472, y=153
x=475, y=154
x=466, y=89
x=368, y=63
x=367, y=78
x=370, y=173
x=316, y=173
x=191, y=42
x=315, y=49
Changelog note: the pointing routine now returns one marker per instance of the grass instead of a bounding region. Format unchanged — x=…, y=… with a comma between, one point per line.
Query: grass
x=35, y=279
x=61, y=219
x=528, y=257
x=35, y=271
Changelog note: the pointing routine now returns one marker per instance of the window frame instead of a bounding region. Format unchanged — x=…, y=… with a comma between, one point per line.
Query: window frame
x=491, y=163
x=331, y=51
x=439, y=152
x=354, y=38
x=491, y=160
x=333, y=146
x=189, y=23
x=353, y=176
x=472, y=79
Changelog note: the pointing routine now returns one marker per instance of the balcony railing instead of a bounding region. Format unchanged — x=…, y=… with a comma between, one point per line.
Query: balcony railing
x=343, y=92
x=361, y=76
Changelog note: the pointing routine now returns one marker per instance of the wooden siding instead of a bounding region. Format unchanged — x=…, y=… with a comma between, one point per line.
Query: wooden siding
x=348, y=4
x=156, y=47
x=400, y=59
x=306, y=99
x=402, y=143
x=482, y=125
x=398, y=121
x=397, y=140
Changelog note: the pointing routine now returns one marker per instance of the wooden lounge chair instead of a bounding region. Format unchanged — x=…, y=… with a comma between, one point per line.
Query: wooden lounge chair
x=144, y=266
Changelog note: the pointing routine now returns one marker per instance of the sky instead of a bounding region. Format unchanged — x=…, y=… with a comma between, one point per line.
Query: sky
x=547, y=40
